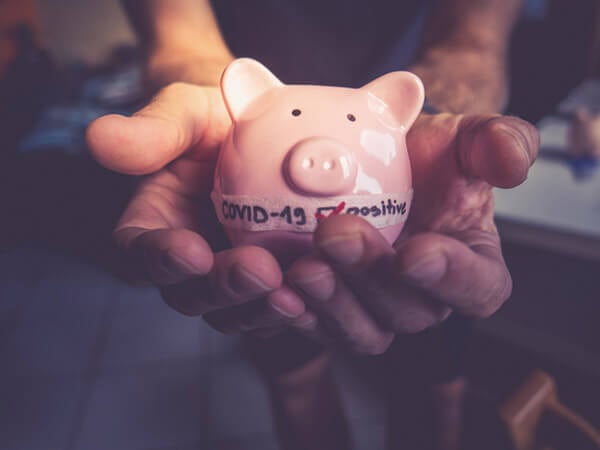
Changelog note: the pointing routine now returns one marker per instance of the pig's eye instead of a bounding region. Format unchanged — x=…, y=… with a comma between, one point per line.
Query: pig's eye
x=296, y=112
x=351, y=117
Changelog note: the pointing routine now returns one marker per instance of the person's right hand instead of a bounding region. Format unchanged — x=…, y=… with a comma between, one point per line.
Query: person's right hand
x=169, y=235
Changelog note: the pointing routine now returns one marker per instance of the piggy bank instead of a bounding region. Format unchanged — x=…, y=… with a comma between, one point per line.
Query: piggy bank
x=297, y=154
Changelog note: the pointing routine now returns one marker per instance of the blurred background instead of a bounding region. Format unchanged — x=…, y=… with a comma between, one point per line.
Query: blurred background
x=88, y=362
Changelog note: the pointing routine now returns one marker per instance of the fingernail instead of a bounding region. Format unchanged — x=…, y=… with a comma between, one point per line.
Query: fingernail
x=306, y=321
x=177, y=263
x=428, y=270
x=244, y=282
x=286, y=303
x=345, y=249
x=319, y=286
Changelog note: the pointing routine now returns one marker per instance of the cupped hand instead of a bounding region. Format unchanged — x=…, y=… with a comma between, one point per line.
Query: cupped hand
x=448, y=258
x=169, y=235
x=358, y=290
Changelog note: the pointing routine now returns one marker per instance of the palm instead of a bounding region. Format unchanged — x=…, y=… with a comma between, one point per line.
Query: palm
x=447, y=200
x=454, y=166
x=178, y=195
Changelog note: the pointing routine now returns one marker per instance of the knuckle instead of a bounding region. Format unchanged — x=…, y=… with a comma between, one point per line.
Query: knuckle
x=174, y=89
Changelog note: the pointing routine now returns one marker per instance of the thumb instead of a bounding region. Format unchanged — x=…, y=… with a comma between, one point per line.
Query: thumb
x=181, y=117
x=497, y=149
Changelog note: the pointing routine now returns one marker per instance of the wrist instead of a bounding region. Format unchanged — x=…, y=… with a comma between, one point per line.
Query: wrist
x=487, y=40
x=478, y=25
x=167, y=65
x=463, y=80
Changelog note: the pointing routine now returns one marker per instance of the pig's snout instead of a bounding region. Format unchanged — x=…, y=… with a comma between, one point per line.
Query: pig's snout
x=321, y=166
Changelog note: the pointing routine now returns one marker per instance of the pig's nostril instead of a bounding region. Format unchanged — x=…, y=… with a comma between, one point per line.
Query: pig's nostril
x=329, y=165
x=307, y=163
x=320, y=166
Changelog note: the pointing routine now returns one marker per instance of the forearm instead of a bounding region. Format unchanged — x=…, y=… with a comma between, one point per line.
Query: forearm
x=474, y=24
x=463, y=56
x=179, y=35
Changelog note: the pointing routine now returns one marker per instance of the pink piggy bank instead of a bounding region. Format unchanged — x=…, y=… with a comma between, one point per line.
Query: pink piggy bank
x=297, y=154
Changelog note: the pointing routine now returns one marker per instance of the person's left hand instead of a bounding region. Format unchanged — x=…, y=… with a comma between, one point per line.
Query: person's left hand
x=362, y=291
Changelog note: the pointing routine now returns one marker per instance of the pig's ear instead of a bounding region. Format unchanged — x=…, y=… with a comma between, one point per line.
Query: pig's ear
x=402, y=92
x=243, y=81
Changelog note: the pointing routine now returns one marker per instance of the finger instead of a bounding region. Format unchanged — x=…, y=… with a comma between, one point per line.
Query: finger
x=498, y=149
x=281, y=306
x=238, y=276
x=470, y=276
x=180, y=117
x=162, y=256
x=365, y=259
x=308, y=325
x=337, y=309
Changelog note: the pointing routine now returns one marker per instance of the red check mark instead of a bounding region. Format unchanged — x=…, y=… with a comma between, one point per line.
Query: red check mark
x=338, y=209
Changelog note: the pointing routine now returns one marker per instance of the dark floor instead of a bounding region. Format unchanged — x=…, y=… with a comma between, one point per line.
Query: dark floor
x=91, y=363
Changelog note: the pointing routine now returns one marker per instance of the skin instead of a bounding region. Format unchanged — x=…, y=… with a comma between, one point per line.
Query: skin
x=359, y=291
x=356, y=292
x=463, y=56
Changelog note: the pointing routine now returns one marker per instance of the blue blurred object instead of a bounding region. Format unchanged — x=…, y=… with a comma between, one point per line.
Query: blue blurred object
x=61, y=128
x=63, y=120
x=583, y=167
x=535, y=9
